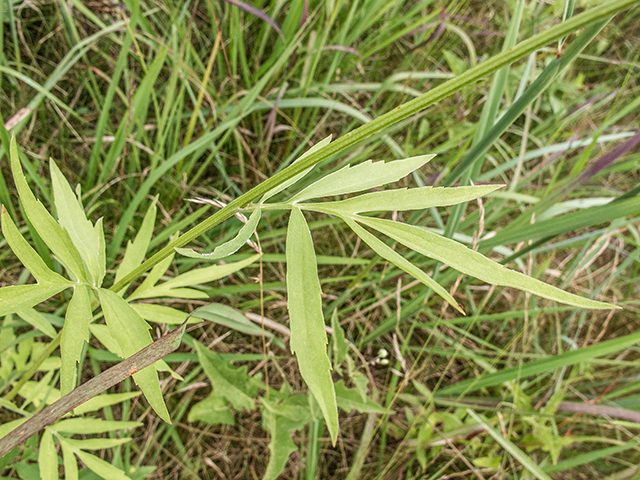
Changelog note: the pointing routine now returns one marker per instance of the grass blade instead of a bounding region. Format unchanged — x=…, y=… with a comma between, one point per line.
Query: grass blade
x=510, y=447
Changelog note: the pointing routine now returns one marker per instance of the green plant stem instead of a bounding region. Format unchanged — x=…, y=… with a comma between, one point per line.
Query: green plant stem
x=375, y=126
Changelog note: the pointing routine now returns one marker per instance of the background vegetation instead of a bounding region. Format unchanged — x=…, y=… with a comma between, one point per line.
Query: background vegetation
x=198, y=102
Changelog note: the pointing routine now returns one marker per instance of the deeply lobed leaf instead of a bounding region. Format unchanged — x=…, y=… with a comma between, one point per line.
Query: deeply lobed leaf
x=361, y=177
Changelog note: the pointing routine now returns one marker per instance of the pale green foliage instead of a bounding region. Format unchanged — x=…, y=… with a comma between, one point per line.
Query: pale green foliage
x=132, y=334
x=35, y=319
x=232, y=384
x=287, y=183
x=230, y=247
x=56, y=237
x=61, y=433
x=473, y=263
x=361, y=177
x=80, y=247
x=176, y=286
x=339, y=343
x=85, y=236
x=136, y=250
x=47, y=458
x=352, y=399
x=75, y=333
x=308, y=337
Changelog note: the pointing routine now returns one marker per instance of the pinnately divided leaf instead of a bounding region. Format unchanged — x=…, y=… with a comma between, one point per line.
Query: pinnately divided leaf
x=56, y=238
x=280, y=420
x=230, y=247
x=406, y=199
x=35, y=318
x=473, y=263
x=361, y=177
x=229, y=382
x=71, y=216
x=20, y=297
x=26, y=254
x=308, y=336
x=132, y=334
x=47, y=458
x=399, y=261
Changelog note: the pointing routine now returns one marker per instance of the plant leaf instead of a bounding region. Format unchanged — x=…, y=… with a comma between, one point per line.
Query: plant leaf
x=360, y=177
x=308, y=336
x=56, y=238
x=71, y=216
x=100, y=467
x=162, y=314
x=232, y=318
x=74, y=334
x=35, y=319
x=21, y=297
x=213, y=410
x=70, y=464
x=230, y=247
x=193, y=277
x=26, y=254
x=89, y=426
x=399, y=261
x=136, y=250
x=104, y=400
x=47, y=457
x=132, y=334
x=229, y=382
x=520, y=456
x=473, y=263
x=154, y=275
x=96, y=443
x=406, y=199
x=280, y=427
x=350, y=399
x=287, y=183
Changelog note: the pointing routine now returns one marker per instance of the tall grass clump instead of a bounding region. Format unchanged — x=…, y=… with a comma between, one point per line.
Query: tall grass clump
x=319, y=240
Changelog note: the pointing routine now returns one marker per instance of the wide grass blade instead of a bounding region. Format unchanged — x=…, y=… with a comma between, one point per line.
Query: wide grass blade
x=570, y=222
x=544, y=365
